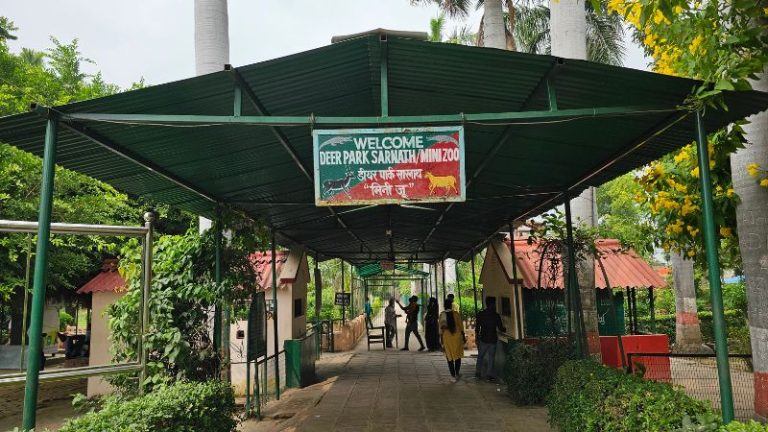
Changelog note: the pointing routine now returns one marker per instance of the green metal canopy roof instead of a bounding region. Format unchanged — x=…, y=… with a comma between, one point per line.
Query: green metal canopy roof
x=535, y=128
x=376, y=269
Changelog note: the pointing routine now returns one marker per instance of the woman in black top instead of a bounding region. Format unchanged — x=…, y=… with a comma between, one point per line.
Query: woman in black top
x=431, y=330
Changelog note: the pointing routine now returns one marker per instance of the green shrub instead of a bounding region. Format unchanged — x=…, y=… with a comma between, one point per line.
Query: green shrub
x=735, y=323
x=182, y=407
x=587, y=396
x=530, y=370
x=752, y=426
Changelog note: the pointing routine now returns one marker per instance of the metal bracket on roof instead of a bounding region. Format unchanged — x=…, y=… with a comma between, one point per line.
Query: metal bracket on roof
x=43, y=111
x=311, y=122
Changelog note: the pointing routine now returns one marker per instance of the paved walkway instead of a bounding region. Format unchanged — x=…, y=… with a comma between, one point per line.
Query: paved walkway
x=397, y=391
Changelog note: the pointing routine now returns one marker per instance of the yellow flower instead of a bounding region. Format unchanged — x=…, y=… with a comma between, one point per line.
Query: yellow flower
x=650, y=40
x=658, y=17
x=729, y=192
x=764, y=182
x=726, y=232
x=691, y=253
x=678, y=10
x=681, y=156
x=695, y=172
x=692, y=230
x=688, y=208
x=695, y=44
x=753, y=169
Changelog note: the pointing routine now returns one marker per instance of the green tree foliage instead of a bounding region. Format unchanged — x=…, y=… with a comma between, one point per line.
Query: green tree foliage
x=55, y=77
x=623, y=218
x=184, y=294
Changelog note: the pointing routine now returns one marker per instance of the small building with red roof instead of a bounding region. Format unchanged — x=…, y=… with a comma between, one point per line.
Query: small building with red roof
x=105, y=289
x=292, y=270
x=539, y=302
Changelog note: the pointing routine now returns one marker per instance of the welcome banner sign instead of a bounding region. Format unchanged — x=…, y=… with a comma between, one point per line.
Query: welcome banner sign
x=389, y=166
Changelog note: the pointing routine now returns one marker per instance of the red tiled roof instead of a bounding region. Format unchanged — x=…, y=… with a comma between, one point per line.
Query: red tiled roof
x=262, y=264
x=624, y=267
x=108, y=280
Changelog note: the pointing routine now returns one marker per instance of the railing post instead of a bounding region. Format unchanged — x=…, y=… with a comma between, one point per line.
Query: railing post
x=41, y=269
x=713, y=264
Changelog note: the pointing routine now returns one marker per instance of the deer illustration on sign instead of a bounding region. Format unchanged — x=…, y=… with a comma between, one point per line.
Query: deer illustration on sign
x=338, y=185
x=446, y=182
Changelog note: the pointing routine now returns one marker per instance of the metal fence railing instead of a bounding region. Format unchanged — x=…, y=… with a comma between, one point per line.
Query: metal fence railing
x=696, y=374
x=265, y=385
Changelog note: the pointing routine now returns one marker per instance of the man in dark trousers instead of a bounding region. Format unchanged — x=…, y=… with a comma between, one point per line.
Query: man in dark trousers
x=411, y=321
x=486, y=326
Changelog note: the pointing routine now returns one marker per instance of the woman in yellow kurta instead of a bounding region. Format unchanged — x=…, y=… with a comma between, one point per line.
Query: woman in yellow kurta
x=452, y=336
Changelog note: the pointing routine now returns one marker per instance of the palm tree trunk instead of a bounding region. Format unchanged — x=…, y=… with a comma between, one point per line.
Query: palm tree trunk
x=752, y=224
x=211, y=36
x=687, y=328
x=211, y=54
x=568, y=28
x=510, y=30
x=494, y=31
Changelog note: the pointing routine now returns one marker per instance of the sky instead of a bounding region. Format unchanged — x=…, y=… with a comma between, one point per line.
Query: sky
x=154, y=39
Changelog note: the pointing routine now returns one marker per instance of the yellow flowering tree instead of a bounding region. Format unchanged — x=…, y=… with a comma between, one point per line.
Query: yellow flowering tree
x=671, y=193
x=724, y=45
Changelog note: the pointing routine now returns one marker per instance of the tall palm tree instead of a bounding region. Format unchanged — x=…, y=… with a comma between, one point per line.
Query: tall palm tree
x=527, y=27
x=211, y=54
x=32, y=57
x=604, y=33
x=492, y=29
x=7, y=27
x=461, y=35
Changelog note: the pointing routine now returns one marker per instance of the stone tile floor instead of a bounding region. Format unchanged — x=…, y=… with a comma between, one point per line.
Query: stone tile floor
x=397, y=391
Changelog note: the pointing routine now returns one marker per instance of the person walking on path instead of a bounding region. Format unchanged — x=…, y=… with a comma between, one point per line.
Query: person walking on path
x=452, y=335
x=411, y=321
x=390, y=321
x=431, y=327
x=487, y=323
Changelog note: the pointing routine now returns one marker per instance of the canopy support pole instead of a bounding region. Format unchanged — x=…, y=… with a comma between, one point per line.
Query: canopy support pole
x=423, y=301
x=224, y=314
x=515, y=283
x=318, y=291
x=713, y=265
x=651, y=309
x=572, y=284
x=274, y=317
x=343, y=303
x=457, y=286
x=474, y=282
x=437, y=286
x=384, y=76
x=442, y=270
x=34, y=360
